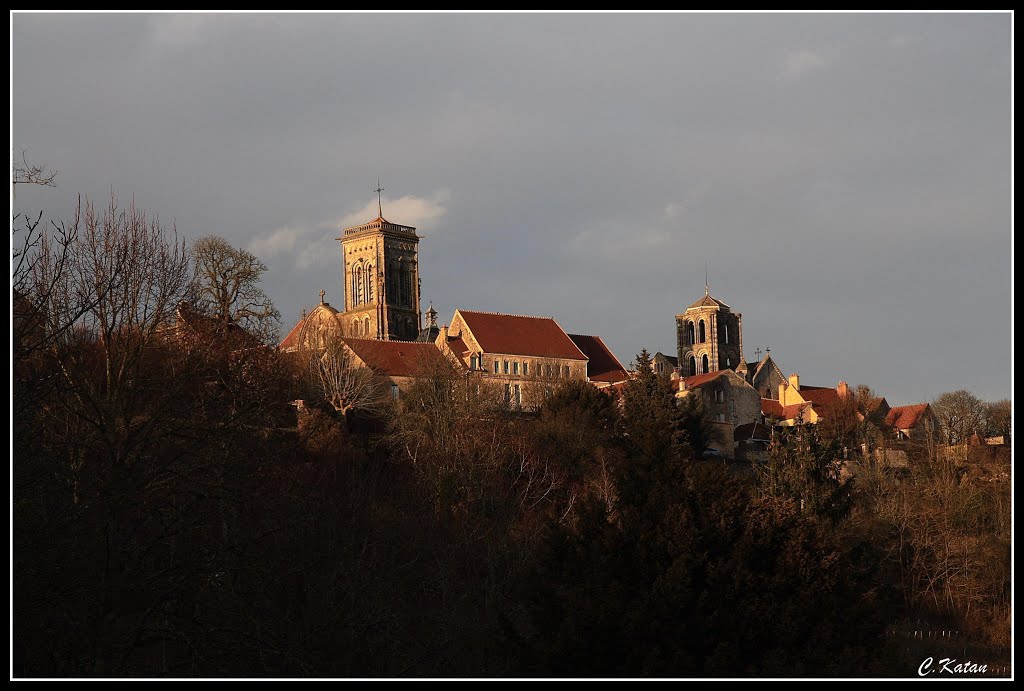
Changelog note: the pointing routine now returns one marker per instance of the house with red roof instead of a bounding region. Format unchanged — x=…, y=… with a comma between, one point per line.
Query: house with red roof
x=912, y=422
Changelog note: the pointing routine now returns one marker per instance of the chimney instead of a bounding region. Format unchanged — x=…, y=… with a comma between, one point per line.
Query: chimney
x=794, y=381
x=843, y=389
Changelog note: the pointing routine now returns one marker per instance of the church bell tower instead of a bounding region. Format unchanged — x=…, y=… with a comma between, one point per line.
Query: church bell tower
x=382, y=280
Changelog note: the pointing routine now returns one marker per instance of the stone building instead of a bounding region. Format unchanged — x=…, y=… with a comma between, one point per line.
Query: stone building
x=709, y=337
x=729, y=402
x=764, y=375
x=382, y=281
x=665, y=365
x=525, y=355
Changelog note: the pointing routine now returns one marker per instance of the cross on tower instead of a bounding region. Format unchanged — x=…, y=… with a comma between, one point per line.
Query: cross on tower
x=757, y=353
x=380, y=212
x=322, y=293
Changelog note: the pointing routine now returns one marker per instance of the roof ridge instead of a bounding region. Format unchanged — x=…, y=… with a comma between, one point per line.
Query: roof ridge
x=506, y=314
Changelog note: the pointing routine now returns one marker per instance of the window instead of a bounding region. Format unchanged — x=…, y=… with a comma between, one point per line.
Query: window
x=518, y=395
x=366, y=325
x=691, y=367
x=726, y=333
x=472, y=362
x=703, y=331
x=689, y=333
x=728, y=362
x=515, y=368
x=526, y=369
x=566, y=370
x=719, y=396
x=704, y=363
x=720, y=417
x=369, y=282
x=495, y=366
x=548, y=369
x=508, y=392
x=505, y=367
x=394, y=391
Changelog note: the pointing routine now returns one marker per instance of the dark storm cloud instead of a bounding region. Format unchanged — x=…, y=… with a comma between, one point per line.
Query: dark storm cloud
x=846, y=177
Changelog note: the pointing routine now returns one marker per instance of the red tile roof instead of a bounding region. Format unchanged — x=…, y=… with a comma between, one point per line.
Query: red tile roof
x=822, y=397
x=905, y=416
x=602, y=365
x=396, y=358
x=700, y=379
x=509, y=334
x=292, y=339
x=772, y=408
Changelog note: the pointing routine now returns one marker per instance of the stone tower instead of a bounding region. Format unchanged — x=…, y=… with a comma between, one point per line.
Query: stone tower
x=382, y=281
x=709, y=336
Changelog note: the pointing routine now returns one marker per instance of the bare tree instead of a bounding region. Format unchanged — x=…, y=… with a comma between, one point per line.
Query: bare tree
x=27, y=173
x=960, y=413
x=998, y=419
x=342, y=382
x=227, y=285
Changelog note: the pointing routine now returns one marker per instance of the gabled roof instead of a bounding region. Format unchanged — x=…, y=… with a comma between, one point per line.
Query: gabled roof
x=510, y=334
x=766, y=361
x=905, y=416
x=396, y=358
x=602, y=364
x=322, y=311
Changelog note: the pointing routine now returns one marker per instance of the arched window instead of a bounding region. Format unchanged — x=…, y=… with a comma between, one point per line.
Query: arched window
x=689, y=333
x=703, y=331
x=728, y=362
x=725, y=335
x=691, y=366
x=355, y=290
x=355, y=327
x=369, y=282
x=366, y=326
x=704, y=363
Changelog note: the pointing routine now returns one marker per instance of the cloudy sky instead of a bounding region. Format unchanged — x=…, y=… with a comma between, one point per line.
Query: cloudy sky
x=846, y=177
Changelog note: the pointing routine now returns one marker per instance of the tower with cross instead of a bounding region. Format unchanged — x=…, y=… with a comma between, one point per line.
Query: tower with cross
x=380, y=261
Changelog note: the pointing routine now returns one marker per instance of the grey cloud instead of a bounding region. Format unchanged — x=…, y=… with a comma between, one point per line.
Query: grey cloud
x=858, y=213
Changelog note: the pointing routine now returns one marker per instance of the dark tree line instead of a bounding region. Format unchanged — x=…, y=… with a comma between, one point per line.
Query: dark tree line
x=174, y=515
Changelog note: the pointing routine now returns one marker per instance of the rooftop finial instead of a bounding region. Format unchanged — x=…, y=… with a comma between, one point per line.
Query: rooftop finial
x=380, y=212
x=706, y=291
x=322, y=293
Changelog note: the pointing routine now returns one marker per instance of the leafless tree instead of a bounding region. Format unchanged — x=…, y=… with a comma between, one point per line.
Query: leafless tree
x=28, y=173
x=227, y=285
x=960, y=413
x=998, y=419
x=343, y=382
